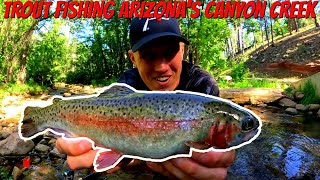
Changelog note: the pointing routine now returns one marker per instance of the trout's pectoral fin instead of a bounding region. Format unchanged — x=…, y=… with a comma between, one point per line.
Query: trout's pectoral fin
x=107, y=160
x=198, y=145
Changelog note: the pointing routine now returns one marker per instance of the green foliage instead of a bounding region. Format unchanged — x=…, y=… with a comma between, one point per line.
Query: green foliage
x=4, y=173
x=50, y=56
x=251, y=83
x=280, y=27
x=207, y=41
x=19, y=89
x=310, y=94
x=239, y=72
x=104, y=82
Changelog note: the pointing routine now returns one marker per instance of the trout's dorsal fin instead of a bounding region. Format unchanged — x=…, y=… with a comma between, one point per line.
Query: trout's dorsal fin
x=117, y=90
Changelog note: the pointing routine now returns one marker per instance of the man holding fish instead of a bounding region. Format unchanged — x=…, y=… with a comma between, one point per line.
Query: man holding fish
x=157, y=54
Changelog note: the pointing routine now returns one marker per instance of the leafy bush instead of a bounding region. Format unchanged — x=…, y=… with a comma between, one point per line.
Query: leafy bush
x=239, y=72
x=310, y=94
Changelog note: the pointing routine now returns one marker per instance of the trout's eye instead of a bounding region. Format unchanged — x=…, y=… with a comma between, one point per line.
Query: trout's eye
x=247, y=124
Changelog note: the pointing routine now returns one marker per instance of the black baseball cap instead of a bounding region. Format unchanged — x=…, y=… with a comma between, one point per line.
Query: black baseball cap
x=144, y=30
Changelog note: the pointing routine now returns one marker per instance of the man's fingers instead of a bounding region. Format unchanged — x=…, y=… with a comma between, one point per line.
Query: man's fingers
x=192, y=169
x=84, y=160
x=158, y=167
x=175, y=171
x=214, y=159
x=73, y=148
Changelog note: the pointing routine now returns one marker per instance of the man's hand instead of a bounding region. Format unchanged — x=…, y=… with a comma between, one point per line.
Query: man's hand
x=79, y=153
x=210, y=165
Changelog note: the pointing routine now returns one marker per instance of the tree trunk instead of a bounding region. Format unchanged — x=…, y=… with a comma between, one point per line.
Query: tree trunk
x=243, y=46
x=239, y=43
x=272, y=42
x=9, y=73
x=296, y=24
x=261, y=29
x=290, y=26
x=254, y=41
x=316, y=22
x=266, y=30
x=22, y=75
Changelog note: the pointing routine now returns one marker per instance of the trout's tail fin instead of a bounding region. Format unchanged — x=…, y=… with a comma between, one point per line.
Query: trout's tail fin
x=28, y=127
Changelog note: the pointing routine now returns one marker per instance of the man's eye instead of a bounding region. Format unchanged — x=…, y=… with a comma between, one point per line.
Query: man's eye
x=169, y=53
x=148, y=56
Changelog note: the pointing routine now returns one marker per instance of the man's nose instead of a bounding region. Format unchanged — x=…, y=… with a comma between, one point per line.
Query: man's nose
x=161, y=65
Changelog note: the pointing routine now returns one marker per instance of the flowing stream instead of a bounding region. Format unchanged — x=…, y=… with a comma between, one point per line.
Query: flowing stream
x=288, y=148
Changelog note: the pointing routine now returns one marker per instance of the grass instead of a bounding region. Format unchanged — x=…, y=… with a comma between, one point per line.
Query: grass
x=19, y=89
x=252, y=83
x=310, y=94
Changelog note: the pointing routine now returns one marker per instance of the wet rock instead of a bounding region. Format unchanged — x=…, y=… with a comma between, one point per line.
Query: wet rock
x=42, y=148
x=11, y=124
x=4, y=133
x=291, y=111
x=67, y=94
x=299, y=95
x=16, y=172
x=43, y=141
x=314, y=107
x=56, y=153
x=26, y=95
x=45, y=97
x=14, y=145
x=289, y=95
x=41, y=172
x=262, y=105
x=301, y=107
x=86, y=88
x=52, y=141
x=309, y=112
x=318, y=113
x=285, y=102
x=252, y=95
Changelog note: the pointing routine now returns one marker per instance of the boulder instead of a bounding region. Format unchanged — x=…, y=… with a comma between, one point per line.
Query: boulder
x=301, y=107
x=43, y=141
x=56, y=153
x=42, y=148
x=285, y=102
x=14, y=145
x=52, y=141
x=291, y=111
x=299, y=95
x=41, y=171
x=314, y=107
x=66, y=94
x=252, y=95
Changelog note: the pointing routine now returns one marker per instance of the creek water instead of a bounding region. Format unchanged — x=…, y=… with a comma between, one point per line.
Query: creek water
x=287, y=148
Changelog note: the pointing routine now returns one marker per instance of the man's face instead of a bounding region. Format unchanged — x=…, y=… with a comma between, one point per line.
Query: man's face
x=159, y=63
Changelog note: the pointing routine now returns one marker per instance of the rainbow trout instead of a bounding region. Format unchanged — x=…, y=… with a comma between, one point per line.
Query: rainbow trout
x=147, y=125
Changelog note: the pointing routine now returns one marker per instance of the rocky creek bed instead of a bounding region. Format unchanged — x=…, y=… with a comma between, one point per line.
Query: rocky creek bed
x=288, y=147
